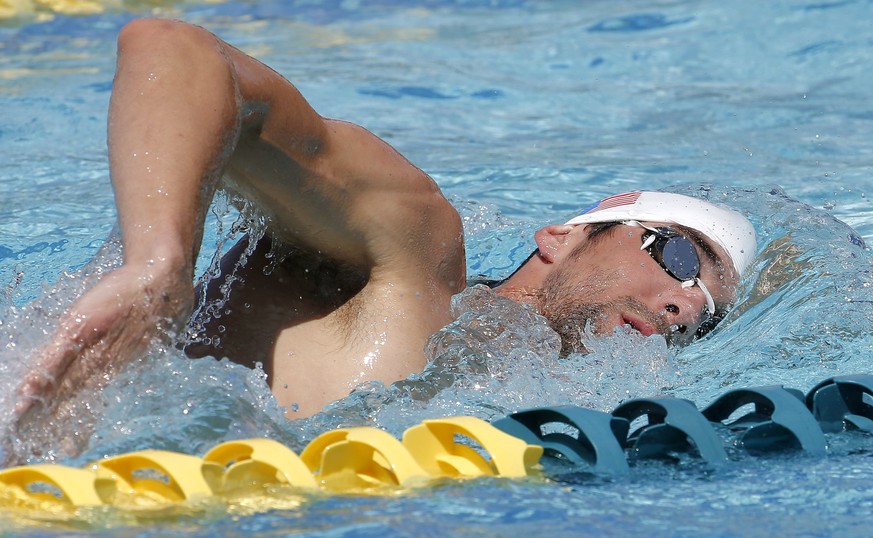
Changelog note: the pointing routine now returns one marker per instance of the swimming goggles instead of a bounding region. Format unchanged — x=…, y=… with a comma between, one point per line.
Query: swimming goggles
x=677, y=255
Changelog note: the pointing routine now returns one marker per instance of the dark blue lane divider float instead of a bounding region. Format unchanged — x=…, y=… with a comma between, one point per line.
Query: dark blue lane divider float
x=780, y=419
x=758, y=420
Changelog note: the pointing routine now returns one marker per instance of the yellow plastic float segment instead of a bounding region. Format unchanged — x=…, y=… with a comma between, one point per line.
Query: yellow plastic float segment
x=158, y=474
x=41, y=482
x=432, y=444
x=72, y=7
x=360, y=458
x=254, y=461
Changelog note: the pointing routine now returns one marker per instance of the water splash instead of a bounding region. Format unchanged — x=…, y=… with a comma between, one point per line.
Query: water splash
x=23, y=330
x=497, y=357
x=804, y=314
x=805, y=311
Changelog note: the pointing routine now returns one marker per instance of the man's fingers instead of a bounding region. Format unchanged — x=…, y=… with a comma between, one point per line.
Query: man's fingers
x=33, y=389
x=23, y=405
x=110, y=324
x=45, y=374
x=36, y=381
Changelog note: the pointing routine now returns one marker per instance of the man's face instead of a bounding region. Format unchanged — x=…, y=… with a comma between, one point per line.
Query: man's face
x=609, y=282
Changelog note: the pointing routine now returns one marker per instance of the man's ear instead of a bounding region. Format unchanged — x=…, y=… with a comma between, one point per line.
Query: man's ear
x=552, y=239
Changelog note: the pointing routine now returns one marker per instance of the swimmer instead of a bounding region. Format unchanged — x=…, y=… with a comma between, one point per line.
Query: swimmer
x=372, y=250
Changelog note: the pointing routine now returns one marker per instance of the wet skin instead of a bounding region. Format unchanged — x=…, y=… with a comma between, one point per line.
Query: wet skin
x=378, y=250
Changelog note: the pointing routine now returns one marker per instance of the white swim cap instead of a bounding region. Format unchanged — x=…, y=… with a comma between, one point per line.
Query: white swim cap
x=727, y=228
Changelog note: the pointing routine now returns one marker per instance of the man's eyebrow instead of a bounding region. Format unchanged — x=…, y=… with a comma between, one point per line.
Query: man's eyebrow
x=703, y=245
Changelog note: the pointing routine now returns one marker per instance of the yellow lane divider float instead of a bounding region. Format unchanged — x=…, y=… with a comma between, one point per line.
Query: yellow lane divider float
x=352, y=460
x=46, y=9
x=366, y=459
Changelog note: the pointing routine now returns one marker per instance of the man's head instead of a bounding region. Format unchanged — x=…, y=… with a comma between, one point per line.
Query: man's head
x=655, y=262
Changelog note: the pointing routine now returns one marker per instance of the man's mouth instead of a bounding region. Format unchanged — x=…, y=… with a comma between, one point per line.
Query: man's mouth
x=638, y=324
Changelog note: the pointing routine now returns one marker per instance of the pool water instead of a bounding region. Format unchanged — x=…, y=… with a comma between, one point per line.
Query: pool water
x=524, y=112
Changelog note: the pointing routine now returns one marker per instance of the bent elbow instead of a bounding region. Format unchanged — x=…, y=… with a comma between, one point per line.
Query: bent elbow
x=142, y=30
x=148, y=34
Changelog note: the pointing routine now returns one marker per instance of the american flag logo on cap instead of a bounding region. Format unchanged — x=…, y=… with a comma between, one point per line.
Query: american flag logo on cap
x=625, y=198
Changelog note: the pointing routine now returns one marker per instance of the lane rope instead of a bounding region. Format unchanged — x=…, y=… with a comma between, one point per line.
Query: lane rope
x=760, y=420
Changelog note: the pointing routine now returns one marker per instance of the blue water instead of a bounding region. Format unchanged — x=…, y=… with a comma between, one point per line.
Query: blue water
x=524, y=112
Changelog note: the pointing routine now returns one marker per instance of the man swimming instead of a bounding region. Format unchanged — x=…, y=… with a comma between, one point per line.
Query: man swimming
x=372, y=251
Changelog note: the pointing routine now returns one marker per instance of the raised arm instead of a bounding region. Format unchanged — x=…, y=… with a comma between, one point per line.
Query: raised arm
x=188, y=109
x=174, y=119
x=189, y=112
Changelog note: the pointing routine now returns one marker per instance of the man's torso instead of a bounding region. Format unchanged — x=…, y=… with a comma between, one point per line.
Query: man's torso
x=317, y=327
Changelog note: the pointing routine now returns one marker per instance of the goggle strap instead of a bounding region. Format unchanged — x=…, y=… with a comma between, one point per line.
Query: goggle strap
x=639, y=224
x=648, y=242
x=710, y=302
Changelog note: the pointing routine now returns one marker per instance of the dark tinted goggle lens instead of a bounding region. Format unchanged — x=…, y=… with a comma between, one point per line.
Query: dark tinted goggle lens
x=675, y=253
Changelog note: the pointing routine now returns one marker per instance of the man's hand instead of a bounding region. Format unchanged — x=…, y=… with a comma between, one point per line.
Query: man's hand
x=106, y=329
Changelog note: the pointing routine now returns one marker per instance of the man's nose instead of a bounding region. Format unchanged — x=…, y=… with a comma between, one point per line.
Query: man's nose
x=683, y=306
